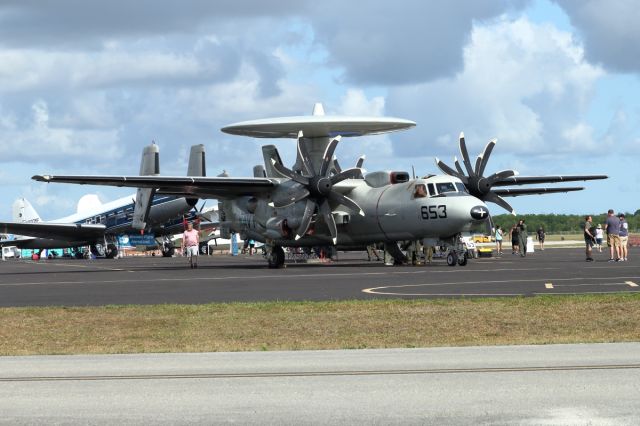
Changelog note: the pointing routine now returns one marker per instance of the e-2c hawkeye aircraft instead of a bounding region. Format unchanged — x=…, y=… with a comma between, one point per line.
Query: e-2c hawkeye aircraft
x=98, y=225
x=317, y=203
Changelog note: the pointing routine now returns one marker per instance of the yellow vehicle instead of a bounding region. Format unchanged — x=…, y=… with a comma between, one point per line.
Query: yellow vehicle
x=479, y=238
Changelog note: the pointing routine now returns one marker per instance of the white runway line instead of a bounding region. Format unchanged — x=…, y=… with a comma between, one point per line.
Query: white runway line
x=631, y=284
x=548, y=285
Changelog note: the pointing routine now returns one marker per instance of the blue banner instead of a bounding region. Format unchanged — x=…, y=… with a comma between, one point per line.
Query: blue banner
x=133, y=240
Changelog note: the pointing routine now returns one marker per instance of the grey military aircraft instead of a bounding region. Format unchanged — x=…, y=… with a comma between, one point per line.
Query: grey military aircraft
x=317, y=202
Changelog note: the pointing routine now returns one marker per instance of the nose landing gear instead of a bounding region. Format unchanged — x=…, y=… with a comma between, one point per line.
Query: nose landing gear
x=458, y=252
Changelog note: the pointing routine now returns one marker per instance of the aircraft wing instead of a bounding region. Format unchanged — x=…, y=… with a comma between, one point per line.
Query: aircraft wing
x=530, y=191
x=54, y=231
x=201, y=187
x=531, y=180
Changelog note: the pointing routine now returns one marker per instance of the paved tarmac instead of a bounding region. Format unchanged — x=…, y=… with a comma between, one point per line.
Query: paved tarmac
x=595, y=384
x=223, y=278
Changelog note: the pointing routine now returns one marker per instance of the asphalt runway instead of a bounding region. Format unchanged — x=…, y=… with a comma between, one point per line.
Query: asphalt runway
x=223, y=278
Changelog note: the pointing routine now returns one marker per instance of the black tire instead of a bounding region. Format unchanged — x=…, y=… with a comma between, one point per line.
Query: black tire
x=276, y=258
x=452, y=259
x=462, y=261
x=111, y=252
x=98, y=250
x=168, y=251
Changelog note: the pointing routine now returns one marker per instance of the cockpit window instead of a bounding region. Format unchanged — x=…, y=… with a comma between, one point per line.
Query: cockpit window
x=432, y=189
x=461, y=187
x=445, y=187
x=420, y=191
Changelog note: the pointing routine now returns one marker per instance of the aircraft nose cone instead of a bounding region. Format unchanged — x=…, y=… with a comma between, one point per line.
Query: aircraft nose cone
x=479, y=212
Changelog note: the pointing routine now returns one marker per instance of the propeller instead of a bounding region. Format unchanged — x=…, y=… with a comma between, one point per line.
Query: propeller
x=477, y=184
x=316, y=187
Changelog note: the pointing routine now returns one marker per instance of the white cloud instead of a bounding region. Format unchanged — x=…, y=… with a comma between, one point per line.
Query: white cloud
x=526, y=84
x=610, y=31
x=41, y=140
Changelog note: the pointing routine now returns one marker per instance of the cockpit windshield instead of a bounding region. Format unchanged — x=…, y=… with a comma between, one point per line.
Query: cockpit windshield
x=461, y=187
x=443, y=187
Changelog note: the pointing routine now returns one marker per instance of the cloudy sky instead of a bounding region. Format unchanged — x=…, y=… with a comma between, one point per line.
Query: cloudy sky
x=84, y=85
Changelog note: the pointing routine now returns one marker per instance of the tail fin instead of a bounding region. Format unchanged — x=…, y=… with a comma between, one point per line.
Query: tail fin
x=149, y=166
x=23, y=212
x=197, y=163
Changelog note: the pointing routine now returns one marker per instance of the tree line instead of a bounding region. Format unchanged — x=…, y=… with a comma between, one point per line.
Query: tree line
x=562, y=223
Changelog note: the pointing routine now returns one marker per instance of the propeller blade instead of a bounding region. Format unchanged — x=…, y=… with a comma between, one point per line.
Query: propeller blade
x=496, y=199
x=309, y=209
x=485, y=156
x=478, y=162
x=295, y=193
x=497, y=177
x=325, y=209
x=352, y=173
x=346, y=201
x=360, y=161
x=448, y=170
x=328, y=155
x=202, y=206
x=304, y=157
x=289, y=173
x=465, y=155
x=336, y=165
x=457, y=164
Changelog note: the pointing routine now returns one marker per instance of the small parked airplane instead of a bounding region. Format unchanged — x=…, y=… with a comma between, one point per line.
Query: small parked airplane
x=98, y=225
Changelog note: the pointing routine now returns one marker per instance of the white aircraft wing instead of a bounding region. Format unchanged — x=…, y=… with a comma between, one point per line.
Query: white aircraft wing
x=54, y=231
x=201, y=187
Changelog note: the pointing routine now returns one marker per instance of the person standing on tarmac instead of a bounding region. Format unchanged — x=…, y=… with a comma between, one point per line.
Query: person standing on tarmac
x=522, y=238
x=190, y=241
x=589, y=237
x=624, y=237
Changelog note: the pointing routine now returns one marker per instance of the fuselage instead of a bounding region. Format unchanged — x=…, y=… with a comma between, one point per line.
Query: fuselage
x=434, y=207
x=117, y=217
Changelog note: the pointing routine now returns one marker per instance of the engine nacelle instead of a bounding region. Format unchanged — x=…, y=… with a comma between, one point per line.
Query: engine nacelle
x=278, y=228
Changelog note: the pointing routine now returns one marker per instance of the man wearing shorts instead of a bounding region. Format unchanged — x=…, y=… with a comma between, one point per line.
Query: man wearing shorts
x=613, y=236
x=190, y=242
x=589, y=238
x=624, y=238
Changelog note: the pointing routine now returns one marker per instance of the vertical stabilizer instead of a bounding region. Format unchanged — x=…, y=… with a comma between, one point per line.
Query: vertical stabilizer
x=197, y=164
x=149, y=166
x=23, y=212
x=258, y=171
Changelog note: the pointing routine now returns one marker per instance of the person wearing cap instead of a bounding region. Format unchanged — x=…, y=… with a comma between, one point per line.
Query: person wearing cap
x=613, y=236
x=599, y=237
x=624, y=237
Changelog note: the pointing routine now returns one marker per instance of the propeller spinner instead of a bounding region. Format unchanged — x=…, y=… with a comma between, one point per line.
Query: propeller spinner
x=477, y=184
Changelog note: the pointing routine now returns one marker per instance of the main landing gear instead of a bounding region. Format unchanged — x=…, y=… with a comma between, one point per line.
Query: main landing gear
x=275, y=257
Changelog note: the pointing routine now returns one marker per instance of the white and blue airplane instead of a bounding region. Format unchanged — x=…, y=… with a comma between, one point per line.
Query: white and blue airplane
x=98, y=225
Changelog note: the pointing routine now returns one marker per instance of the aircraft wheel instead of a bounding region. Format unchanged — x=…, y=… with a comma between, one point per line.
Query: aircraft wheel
x=98, y=250
x=112, y=251
x=168, y=252
x=462, y=261
x=276, y=258
x=452, y=259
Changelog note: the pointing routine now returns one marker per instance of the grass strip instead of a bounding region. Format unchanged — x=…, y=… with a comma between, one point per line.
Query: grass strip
x=320, y=325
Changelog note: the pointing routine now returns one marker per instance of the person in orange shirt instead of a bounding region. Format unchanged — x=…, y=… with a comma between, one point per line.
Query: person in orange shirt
x=190, y=241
